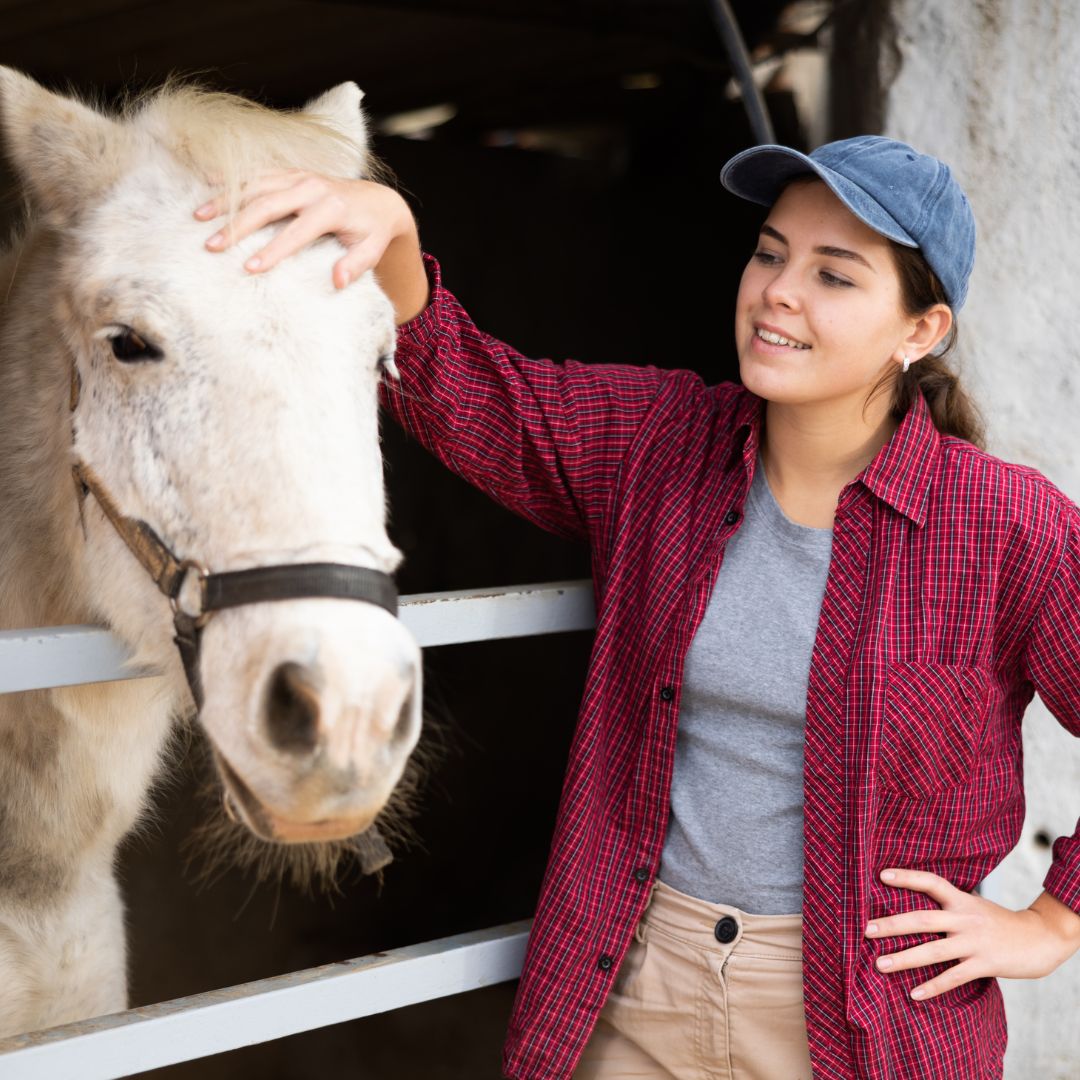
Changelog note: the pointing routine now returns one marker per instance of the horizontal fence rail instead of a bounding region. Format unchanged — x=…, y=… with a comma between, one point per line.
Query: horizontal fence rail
x=193, y=1027
x=153, y=1036
x=68, y=655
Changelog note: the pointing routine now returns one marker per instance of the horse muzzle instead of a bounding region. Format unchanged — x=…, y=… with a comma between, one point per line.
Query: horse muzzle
x=310, y=749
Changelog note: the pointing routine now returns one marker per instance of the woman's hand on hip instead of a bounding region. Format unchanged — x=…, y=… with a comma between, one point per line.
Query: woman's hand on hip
x=371, y=221
x=981, y=939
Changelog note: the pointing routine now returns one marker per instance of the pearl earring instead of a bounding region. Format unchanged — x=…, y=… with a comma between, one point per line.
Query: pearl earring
x=907, y=362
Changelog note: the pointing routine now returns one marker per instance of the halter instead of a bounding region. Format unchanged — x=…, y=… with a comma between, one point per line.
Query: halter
x=177, y=578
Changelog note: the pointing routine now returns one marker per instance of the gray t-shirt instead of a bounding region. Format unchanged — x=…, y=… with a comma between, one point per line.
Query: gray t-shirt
x=736, y=830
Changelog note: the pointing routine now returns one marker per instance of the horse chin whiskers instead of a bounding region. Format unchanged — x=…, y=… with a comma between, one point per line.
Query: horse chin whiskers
x=225, y=840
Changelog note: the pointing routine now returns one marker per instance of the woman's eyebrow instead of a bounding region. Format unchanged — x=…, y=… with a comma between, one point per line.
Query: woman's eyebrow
x=843, y=253
x=824, y=249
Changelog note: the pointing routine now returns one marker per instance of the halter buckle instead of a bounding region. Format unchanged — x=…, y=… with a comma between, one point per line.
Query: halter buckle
x=191, y=577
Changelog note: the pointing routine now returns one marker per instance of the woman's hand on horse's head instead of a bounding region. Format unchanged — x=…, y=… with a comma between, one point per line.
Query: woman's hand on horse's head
x=364, y=216
x=371, y=221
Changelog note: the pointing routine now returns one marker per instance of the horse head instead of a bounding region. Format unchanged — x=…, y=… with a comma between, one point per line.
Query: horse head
x=233, y=419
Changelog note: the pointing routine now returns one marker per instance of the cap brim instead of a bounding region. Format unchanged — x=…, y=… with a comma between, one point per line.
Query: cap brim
x=761, y=173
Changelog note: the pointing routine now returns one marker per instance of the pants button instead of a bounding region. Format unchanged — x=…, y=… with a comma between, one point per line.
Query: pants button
x=726, y=930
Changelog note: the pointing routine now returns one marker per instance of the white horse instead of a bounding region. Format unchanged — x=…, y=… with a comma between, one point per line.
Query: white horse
x=164, y=415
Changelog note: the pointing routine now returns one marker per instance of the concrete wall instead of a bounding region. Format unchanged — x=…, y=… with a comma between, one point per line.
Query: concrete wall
x=993, y=88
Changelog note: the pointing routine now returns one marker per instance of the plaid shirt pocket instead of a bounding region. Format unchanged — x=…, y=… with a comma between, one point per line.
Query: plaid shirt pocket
x=935, y=716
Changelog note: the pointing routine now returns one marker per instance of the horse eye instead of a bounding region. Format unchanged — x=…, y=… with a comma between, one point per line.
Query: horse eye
x=130, y=348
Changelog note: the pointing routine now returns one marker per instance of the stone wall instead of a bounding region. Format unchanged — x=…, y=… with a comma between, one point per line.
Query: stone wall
x=993, y=87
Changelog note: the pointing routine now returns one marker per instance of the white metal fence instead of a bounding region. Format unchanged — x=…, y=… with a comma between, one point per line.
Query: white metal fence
x=187, y=1028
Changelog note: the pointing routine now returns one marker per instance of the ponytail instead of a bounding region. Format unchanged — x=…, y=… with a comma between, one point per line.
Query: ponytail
x=952, y=410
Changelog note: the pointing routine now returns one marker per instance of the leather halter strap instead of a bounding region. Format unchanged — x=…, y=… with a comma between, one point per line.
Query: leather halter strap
x=234, y=588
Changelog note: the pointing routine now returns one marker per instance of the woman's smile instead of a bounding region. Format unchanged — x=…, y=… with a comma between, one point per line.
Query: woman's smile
x=770, y=340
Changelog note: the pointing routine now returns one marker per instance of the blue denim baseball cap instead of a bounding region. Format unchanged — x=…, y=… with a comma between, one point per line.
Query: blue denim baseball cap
x=909, y=197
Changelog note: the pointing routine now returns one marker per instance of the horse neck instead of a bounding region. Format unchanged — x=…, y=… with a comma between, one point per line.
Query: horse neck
x=39, y=537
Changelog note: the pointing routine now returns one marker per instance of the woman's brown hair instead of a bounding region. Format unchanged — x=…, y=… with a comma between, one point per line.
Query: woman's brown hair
x=953, y=412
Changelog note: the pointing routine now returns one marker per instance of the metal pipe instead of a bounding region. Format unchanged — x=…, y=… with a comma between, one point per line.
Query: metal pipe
x=753, y=100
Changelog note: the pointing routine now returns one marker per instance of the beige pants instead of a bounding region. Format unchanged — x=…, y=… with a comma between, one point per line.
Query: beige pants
x=687, y=1006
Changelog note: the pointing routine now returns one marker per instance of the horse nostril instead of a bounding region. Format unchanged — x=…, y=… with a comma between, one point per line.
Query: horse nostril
x=403, y=729
x=292, y=708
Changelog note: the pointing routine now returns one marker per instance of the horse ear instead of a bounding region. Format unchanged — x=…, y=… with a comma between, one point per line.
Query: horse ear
x=340, y=107
x=63, y=151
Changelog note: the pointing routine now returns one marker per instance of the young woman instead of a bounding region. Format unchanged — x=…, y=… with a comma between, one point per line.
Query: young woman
x=842, y=600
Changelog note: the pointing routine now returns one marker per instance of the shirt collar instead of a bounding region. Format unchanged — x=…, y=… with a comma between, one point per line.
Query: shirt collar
x=899, y=475
x=904, y=467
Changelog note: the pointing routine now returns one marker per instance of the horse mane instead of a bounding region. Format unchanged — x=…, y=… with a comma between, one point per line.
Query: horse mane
x=228, y=140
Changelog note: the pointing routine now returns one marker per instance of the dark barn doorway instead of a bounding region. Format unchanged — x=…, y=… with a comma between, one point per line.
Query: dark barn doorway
x=571, y=194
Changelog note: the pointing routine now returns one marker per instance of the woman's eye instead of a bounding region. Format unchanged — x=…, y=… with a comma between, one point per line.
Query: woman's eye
x=835, y=282
x=766, y=258
x=130, y=348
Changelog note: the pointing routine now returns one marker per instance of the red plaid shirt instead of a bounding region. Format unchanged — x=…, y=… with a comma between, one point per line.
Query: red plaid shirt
x=952, y=597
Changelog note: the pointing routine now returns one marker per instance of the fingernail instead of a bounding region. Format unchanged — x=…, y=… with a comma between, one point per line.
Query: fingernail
x=253, y=263
x=872, y=928
x=205, y=209
x=216, y=240
x=916, y=994
x=887, y=875
x=884, y=963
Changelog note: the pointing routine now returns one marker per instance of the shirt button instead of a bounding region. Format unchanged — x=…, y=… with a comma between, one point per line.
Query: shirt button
x=605, y=962
x=666, y=693
x=731, y=517
x=726, y=930
x=641, y=875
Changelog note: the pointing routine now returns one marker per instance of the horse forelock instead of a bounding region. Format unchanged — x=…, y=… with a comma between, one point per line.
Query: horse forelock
x=227, y=140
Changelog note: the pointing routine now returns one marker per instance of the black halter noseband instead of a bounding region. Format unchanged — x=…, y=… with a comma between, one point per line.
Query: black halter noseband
x=234, y=588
